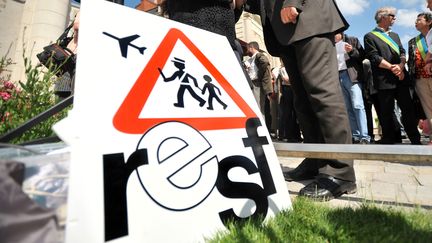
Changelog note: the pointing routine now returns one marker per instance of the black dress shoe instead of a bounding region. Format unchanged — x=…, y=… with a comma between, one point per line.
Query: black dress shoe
x=301, y=173
x=326, y=187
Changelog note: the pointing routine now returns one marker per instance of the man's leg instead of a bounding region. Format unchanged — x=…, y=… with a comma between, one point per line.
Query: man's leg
x=283, y=114
x=306, y=116
x=268, y=115
x=318, y=81
x=293, y=128
x=308, y=122
x=257, y=94
x=311, y=65
x=359, y=112
x=409, y=120
x=195, y=96
x=180, y=94
x=424, y=92
x=386, y=109
x=317, y=64
x=346, y=85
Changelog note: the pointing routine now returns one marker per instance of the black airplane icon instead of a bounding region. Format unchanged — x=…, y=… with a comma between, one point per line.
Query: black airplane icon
x=125, y=42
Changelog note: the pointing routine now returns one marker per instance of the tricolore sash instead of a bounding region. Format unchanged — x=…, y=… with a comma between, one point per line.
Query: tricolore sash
x=422, y=46
x=386, y=38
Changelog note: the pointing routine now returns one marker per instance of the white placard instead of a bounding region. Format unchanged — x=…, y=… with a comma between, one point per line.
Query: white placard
x=168, y=140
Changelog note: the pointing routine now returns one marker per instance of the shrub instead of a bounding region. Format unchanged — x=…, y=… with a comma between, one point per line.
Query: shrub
x=21, y=101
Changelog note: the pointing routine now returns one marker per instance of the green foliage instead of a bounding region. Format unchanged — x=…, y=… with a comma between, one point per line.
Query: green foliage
x=27, y=99
x=312, y=222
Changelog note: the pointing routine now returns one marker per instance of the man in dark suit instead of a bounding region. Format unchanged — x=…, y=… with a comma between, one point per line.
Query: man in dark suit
x=258, y=68
x=387, y=56
x=302, y=33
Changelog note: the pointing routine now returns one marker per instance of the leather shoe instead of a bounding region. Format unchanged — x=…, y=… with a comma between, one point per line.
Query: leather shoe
x=326, y=187
x=300, y=173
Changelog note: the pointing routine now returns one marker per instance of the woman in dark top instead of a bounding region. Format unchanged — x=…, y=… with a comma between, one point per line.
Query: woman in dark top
x=217, y=16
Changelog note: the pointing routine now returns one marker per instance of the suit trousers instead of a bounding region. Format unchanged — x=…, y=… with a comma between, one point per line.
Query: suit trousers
x=312, y=67
x=387, y=99
x=288, y=127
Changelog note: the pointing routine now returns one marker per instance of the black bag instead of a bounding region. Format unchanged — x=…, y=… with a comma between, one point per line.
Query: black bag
x=58, y=56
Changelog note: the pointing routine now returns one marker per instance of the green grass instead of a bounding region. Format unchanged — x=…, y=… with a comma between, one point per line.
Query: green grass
x=312, y=222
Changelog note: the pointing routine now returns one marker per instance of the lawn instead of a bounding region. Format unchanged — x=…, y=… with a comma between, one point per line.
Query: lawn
x=312, y=222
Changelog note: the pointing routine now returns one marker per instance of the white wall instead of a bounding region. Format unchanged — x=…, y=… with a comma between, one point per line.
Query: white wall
x=249, y=28
x=31, y=24
x=10, y=22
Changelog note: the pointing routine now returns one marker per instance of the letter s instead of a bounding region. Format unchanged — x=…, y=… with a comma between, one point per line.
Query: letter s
x=232, y=189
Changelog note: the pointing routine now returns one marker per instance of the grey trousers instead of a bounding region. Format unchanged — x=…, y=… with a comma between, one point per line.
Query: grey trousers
x=312, y=67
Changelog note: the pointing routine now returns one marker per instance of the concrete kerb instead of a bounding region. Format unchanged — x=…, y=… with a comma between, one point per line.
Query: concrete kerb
x=389, y=177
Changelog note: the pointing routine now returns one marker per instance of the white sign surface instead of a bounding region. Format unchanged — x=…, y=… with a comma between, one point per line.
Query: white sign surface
x=168, y=140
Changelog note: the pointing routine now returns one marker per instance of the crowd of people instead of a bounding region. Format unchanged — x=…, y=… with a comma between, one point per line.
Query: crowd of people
x=325, y=94
x=328, y=82
x=363, y=86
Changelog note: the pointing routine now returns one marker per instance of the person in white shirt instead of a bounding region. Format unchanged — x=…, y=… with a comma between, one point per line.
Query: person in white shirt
x=350, y=55
x=258, y=68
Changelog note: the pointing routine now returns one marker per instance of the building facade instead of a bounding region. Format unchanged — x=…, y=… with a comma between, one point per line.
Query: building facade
x=248, y=29
x=29, y=25
x=26, y=26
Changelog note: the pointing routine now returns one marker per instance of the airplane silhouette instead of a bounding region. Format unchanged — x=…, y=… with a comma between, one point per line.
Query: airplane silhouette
x=125, y=42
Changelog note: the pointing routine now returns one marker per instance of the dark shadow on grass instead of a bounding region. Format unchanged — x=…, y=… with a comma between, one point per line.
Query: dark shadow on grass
x=312, y=222
x=377, y=202
x=373, y=224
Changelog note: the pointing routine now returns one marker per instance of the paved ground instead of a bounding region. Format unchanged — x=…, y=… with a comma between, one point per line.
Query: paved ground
x=380, y=182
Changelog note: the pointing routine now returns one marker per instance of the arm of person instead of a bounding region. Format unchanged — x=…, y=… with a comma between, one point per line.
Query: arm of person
x=238, y=4
x=174, y=76
x=298, y=4
x=194, y=80
x=284, y=75
x=376, y=60
x=398, y=69
x=372, y=53
x=73, y=45
x=385, y=65
x=218, y=90
x=402, y=53
x=394, y=68
x=411, y=57
x=428, y=66
x=290, y=11
x=253, y=6
x=262, y=64
x=355, y=49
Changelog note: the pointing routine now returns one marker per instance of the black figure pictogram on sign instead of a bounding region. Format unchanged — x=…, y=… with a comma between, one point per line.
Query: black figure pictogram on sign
x=212, y=93
x=184, y=83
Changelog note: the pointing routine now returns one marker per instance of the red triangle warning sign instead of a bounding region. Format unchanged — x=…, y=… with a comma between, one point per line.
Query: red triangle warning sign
x=128, y=120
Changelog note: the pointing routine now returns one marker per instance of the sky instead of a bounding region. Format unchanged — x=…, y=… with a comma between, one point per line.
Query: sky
x=360, y=15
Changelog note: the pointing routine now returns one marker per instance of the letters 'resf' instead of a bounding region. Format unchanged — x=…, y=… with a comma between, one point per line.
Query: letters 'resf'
x=252, y=191
x=168, y=151
x=172, y=150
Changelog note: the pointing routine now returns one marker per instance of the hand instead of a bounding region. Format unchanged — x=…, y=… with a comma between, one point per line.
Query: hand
x=289, y=15
x=396, y=69
x=348, y=47
x=239, y=3
x=161, y=73
x=428, y=68
x=401, y=76
x=271, y=96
